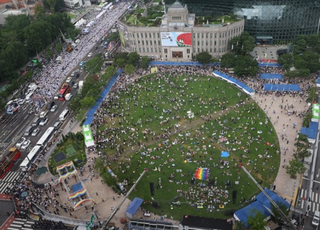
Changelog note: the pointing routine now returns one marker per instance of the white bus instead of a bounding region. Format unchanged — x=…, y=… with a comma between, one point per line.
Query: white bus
x=33, y=154
x=64, y=115
x=46, y=137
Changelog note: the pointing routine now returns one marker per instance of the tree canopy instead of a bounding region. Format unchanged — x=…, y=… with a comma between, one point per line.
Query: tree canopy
x=242, y=65
x=243, y=44
x=203, y=58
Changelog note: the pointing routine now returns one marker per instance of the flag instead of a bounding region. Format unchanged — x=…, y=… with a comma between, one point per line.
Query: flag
x=90, y=223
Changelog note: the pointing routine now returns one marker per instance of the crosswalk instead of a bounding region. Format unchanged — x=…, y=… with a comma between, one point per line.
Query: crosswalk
x=314, y=200
x=21, y=224
x=9, y=180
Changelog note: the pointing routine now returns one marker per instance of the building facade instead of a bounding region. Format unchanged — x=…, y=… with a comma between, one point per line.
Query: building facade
x=282, y=20
x=178, y=37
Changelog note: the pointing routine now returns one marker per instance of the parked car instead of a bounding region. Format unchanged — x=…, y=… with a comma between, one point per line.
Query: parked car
x=69, y=79
x=43, y=121
x=53, y=108
x=43, y=114
x=20, y=142
x=90, y=54
x=68, y=96
x=35, y=132
x=25, y=144
x=75, y=86
x=57, y=125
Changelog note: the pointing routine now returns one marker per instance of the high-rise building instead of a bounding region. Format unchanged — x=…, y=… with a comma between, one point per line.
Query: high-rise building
x=279, y=20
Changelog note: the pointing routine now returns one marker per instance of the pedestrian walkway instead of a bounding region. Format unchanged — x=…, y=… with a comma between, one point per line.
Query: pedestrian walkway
x=303, y=199
x=9, y=180
x=21, y=224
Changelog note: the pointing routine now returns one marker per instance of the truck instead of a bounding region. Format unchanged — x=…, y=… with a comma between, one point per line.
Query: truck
x=7, y=160
x=80, y=86
x=316, y=218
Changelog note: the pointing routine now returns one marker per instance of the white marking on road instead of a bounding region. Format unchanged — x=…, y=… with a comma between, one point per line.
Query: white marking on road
x=317, y=208
x=312, y=196
x=318, y=174
x=301, y=195
x=302, y=203
x=316, y=199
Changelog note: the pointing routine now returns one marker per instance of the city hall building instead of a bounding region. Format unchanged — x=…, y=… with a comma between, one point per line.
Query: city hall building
x=177, y=35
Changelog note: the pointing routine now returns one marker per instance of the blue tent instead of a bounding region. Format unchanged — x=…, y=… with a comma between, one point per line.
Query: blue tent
x=310, y=132
x=181, y=63
x=266, y=203
x=133, y=207
x=318, y=81
x=281, y=87
x=271, y=76
x=263, y=64
x=243, y=214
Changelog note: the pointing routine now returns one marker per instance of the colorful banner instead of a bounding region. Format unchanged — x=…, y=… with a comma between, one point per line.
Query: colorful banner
x=176, y=39
x=64, y=165
x=82, y=201
x=66, y=175
x=88, y=138
x=202, y=173
x=76, y=194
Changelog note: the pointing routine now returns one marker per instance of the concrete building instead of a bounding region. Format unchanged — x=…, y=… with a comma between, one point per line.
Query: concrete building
x=177, y=35
x=4, y=13
x=74, y=3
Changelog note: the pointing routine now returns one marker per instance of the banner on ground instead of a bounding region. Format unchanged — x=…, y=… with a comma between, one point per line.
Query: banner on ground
x=88, y=138
x=315, y=112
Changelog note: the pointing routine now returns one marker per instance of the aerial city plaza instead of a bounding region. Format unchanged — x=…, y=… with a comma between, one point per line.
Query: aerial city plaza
x=160, y=115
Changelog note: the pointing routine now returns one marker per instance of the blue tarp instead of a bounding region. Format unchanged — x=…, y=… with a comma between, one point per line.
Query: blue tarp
x=271, y=76
x=318, y=81
x=250, y=210
x=224, y=154
x=76, y=187
x=266, y=203
x=263, y=64
x=133, y=207
x=281, y=87
x=311, y=132
x=93, y=109
x=180, y=63
x=262, y=204
x=234, y=81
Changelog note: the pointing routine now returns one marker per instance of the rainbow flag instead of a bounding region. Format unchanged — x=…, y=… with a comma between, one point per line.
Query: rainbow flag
x=76, y=194
x=64, y=165
x=202, y=173
x=66, y=175
x=82, y=201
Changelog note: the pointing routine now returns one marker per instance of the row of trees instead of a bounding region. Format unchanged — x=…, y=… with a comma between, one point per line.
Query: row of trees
x=129, y=61
x=305, y=56
x=23, y=36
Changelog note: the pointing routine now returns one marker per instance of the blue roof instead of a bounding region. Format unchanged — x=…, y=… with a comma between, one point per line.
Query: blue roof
x=271, y=76
x=134, y=205
x=234, y=81
x=90, y=114
x=318, y=80
x=281, y=87
x=250, y=210
x=310, y=132
x=180, y=63
x=277, y=199
x=76, y=187
x=263, y=64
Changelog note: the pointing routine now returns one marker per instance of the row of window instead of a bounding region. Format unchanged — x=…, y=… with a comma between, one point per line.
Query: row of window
x=150, y=50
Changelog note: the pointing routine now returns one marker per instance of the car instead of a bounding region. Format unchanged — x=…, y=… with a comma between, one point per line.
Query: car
x=56, y=97
x=35, y=132
x=50, y=105
x=43, y=114
x=25, y=144
x=69, y=79
x=68, y=97
x=57, y=125
x=82, y=63
x=75, y=86
x=53, y=108
x=43, y=121
x=21, y=101
x=20, y=142
x=71, y=83
x=90, y=54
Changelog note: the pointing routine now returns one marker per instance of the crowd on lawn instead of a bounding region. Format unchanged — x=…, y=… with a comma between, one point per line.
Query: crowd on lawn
x=54, y=72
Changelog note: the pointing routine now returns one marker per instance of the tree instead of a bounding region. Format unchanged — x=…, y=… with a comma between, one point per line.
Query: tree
x=119, y=62
x=286, y=60
x=87, y=102
x=228, y=60
x=133, y=58
x=114, y=37
x=276, y=213
x=295, y=167
x=243, y=45
x=245, y=66
x=256, y=220
x=203, y=58
x=145, y=60
x=129, y=69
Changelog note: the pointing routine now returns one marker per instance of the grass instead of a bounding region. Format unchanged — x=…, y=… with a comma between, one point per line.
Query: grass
x=251, y=142
x=73, y=147
x=71, y=15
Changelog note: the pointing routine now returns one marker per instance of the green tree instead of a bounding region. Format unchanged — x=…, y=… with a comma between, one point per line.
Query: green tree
x=129, y=69
x=256, y=220
x=49, y=53
x=133, y=58
x=203, y=58
x=243, y=45
x=245, y=66
x=300, y=45
x=145, y=60
x=228, y=60
x=87, y=102
x=276, y=213
x=295, y=167
x=119, y=62
x=114, y=36
x=286, y=60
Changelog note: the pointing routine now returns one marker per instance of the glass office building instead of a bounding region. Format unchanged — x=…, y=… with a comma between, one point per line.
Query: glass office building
x=281, y=20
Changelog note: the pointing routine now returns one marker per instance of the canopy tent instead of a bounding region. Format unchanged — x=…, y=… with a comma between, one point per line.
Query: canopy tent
x=133, y=207
x=231, y=80
x=264, y=64
x=281, y=87
x=311, y=132
x=262, y=204
x=268, y=76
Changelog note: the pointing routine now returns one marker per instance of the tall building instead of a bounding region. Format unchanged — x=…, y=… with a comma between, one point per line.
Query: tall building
x=176, y=34
x=279, y=20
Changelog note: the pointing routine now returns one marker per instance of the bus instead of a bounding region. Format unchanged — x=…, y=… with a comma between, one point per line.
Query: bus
x=46, y=137
x=33, y=154
x=8, y=160
x=65, y=89
x=80, y=87
x=12, y=107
